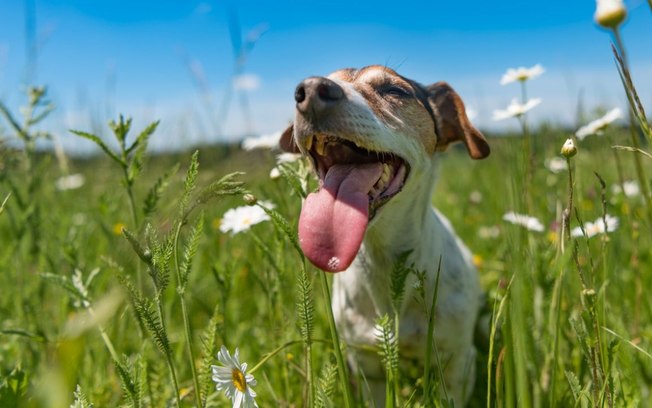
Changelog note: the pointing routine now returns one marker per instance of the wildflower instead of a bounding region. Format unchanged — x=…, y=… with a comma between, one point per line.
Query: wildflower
x=629, y=188
x=598, y=126
x=287, y=157
x=117, y=228
x=597, y=227
x=275, y=173
x=610, y=13
x=556, y=164
x=531, y=223
x=477, y=260
x=489, y=232
x=242, y=218
x=267, y=141
x=516, y=109
x=475, y=197
x=521, y=74
x=569, y=150
x=71, y=182
x=234, y=380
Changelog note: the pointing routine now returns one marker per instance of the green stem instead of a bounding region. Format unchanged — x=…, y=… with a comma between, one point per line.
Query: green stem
x=281, y=348
x=341, y=364
x=429, y=340
x=134, y=215
x=186, y=320
x=640, y=173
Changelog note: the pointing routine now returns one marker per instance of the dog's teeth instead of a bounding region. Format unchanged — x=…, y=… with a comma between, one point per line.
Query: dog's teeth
x=309, y=140
x=320, y=145
x=384, y=178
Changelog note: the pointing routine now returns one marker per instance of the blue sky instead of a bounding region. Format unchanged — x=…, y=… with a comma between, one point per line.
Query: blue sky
x=144, y=58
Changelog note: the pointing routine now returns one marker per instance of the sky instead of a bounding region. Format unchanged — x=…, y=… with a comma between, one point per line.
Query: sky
x=174, y=61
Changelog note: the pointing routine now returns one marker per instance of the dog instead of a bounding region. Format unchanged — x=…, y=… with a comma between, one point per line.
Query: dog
x=374, y=137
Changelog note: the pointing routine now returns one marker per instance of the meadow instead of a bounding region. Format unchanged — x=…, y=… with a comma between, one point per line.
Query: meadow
x=121, y=280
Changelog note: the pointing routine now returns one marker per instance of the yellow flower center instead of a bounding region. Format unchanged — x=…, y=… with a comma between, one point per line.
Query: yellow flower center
x=238, y=379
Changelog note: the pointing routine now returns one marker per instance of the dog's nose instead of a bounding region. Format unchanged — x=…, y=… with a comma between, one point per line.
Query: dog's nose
x=316, y=94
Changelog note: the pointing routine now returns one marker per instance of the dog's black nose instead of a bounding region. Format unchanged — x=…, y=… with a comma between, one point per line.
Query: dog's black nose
x=316, y=94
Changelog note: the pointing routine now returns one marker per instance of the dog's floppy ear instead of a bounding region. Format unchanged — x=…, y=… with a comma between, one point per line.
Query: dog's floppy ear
x=452, y=123
x=286, y=142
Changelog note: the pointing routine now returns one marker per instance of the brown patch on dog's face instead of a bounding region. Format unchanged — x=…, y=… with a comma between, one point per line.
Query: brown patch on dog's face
x=400, y=103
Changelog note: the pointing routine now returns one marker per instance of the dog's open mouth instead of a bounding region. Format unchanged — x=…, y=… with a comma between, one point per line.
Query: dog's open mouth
x=353, y=184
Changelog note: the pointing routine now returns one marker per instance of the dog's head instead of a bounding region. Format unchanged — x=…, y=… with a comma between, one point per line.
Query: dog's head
x=366, y=131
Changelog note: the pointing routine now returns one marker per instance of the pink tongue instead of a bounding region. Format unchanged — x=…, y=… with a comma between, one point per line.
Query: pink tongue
x=334, y=219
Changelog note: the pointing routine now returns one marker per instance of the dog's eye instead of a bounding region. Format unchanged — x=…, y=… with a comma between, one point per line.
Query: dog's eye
x=393, y=90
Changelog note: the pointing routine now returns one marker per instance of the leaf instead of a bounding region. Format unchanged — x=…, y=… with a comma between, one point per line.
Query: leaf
x=293, y=179
x=156, y=191
x=209, y=349
x=144, y=254
x=189, y=183
x=399, y=274
x=222, y=187
x=12, y=121
x=4, y=202
x=100, y=143
x=13, y=389
x=120, y=130
x=81, y=400
x=64, y=283
x=143, y=137
x=147, y=315
x=575, y=386
x=190, y=250
x=326, y=386
x=632, y=149
x=305, y=307
x=284, y=226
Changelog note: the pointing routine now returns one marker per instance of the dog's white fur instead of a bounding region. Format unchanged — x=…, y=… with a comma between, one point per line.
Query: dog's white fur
x=407, y=222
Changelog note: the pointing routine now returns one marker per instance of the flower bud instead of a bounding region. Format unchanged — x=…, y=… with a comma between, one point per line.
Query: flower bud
x=610, y=13
x=569, y=150
x=250, y=199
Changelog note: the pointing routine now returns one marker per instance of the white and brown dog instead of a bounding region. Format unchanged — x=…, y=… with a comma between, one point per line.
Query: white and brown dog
x=373, y=138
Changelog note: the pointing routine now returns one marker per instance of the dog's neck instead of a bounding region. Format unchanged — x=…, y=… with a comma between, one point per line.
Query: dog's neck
x=406, y=222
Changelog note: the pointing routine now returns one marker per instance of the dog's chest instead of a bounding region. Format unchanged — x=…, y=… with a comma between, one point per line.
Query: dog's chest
x=362, y=294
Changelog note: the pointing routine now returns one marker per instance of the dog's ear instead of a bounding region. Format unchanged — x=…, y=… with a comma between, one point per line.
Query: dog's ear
x=452, y=123
x=286, y=142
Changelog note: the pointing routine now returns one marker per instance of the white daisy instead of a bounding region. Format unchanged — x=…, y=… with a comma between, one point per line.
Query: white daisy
x=598, y=126
x=234, y=380
x=521, y=74
x=240, y=219
x=556, y=164
x=629, y=188
x=267, y=141
x=531, y=223
x=596, y=227
x=516, y=109
x=71, y=182
x=489, y=232
x=275, y=173
x=287, y=157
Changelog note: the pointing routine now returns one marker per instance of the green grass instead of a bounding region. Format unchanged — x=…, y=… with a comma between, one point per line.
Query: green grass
x=555, y=337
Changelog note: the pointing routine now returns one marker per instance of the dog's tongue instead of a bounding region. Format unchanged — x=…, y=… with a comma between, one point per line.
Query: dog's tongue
x=334, y=219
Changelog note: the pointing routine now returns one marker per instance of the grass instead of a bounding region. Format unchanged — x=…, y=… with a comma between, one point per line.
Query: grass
x=562, y=338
